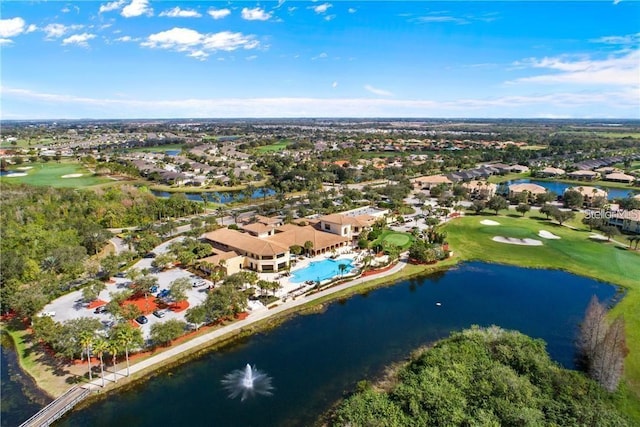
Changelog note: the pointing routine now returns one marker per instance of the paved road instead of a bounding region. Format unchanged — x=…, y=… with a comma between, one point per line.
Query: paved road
x=252, y=318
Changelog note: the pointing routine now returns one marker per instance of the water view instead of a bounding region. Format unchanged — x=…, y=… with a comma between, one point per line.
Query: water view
x=214, y=197
x=318, y=271
x=559, y=187
x=314, y=359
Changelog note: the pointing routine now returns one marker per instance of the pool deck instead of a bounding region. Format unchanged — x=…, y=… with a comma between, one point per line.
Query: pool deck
x=290, y=288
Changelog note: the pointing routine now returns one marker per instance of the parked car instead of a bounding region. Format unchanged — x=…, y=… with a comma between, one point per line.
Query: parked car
x=47, y=314
x=163, y=293
x=150, y=255
x=159, y=313
x=153, y=289
x=101, y=309
x=142, y=320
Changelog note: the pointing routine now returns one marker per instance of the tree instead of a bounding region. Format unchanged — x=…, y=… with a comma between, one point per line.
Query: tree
x=178, y=289
x=129, y=337
x=523, y=208
x=547, y=209
x=100, y=346
x=573, y=199
x=164, y=333
x=308, y=246
x=196, y=315
x=478, y=206
x=497, y=203
x=562, y=216
x=342, y=268
x=86, y=341
x=163, y=260
x=114, y=346
x=610, y=231
x=592, y=221
x=92, y=291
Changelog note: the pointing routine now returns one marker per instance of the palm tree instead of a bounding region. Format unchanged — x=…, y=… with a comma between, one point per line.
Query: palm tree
x=99, y=347
x=128, y=336
x=113, y=346
x=342, y=268
x=308, y=246
x=86, y=340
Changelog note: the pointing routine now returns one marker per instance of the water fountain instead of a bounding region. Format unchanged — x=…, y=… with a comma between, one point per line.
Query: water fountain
x=247, y=382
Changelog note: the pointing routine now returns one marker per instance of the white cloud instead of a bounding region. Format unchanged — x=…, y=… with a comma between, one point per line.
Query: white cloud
x=622, y=70
x=442, y=19
x=321, y=8
x=198, y=44
x=630, y=39
x=11, y=27
x=114, y=5
x=219, y=13
x=566, y=104
x=334, y=85
x=255, y=14
x=125, y=39
x=31, y=28
x=5, y=42
x=251, y=57
x=376, y=91
x=199, y=55
x=54, y=31
x=79, y=39
x=176, y=12
x=136, y=8
x=351, y=10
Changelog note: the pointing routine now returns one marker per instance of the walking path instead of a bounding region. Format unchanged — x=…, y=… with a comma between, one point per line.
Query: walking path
x=252, y=318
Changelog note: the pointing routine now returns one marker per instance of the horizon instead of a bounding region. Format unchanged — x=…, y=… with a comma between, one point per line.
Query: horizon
x=179, y=60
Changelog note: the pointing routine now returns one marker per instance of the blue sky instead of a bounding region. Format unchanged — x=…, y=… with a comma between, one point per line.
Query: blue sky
x=165, y=59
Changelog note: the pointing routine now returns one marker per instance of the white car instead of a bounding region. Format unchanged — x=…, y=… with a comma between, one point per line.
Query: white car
x=47, y=314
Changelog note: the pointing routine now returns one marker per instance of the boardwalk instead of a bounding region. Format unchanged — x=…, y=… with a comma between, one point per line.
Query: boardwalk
x=57, y=408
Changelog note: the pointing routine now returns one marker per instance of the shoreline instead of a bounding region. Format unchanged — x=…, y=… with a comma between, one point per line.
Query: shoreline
x=227, y=335
x=181, y=353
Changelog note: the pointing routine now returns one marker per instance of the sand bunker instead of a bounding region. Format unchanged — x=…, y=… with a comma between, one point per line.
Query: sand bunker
x=25, y=168
x=547, y=235
x=516, y=241
x=72, y=175
x=14, y=175
x=489, y=222
x=596, y=236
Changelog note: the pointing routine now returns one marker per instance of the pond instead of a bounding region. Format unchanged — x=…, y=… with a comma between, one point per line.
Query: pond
x=224, y=197
x=559, y=187
x=315, y=359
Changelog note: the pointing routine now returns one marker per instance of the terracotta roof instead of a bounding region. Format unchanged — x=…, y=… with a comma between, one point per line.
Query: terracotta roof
x=583, y=173
x=555, y=171
x=620, y=177
x=585, y=190
x=433, y=179
x=479, y=185
x=219, y=256
x=245, y=242
x=341, y=219
x=531, y=188
x=257, y=227
x=290, y=234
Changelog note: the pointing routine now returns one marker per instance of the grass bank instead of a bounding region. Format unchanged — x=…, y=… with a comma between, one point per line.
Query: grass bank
x=574, y=252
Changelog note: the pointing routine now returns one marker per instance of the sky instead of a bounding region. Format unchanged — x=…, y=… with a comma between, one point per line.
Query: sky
x=205, y=59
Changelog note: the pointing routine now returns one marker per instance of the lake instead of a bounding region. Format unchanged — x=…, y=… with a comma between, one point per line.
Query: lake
x=559, y=187
x=225, y=197
x=315, y=359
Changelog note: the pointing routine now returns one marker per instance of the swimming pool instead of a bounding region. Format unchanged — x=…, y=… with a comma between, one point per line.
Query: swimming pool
x=321, y=270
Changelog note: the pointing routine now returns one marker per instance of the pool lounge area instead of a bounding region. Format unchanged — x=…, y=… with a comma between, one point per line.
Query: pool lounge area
x=321, y=270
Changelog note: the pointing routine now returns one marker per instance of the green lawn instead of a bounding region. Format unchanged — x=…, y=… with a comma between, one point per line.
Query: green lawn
x=51, y=174
x=574, y=252
x=272, y=148
x=389, y=237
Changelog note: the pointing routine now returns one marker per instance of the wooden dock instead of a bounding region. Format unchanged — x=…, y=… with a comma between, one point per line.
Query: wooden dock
x=57, y=408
